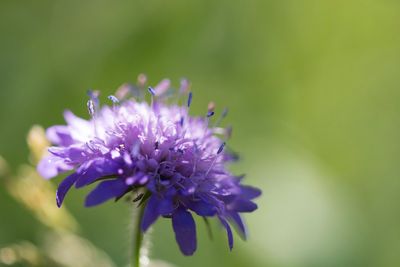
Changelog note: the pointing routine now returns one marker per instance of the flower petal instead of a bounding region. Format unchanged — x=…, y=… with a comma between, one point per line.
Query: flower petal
x=72, y=154
x=80, y=130
x=59, y=135
x=239, y=223
x=202, y=208
x=166, y=206
x=96, y=169
x=250, y=192
x=151, y=212
x=51, y=166
x=64, y=187
x=242, y=205
x=228, y=232
x=185, y=231
x=106, y=190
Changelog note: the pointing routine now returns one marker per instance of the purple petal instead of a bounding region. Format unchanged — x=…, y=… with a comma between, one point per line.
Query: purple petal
x=242, y=205
x=73, y=154
x=213, y=200
x=59, y=135
x=51, y=166
x=96, y=169
x=185, y=231
x=166, y=206
x=202, y=208
x=151, y=212
x=250, y=192
x=74, y=121
x=228, y=232
x=105, y=191
x=239, y=223
x=64, y=187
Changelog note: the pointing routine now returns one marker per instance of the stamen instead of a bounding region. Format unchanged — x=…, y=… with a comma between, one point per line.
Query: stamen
x=221, y=148
x=211, y=166
x=196, y=154
x=183, y=89
x=181, y=121
x=123, y=91
x=162, y=87
x=185, y=86
x=223, y=115
x=228, y=132
x=141, y=80
x=211, y=106
x=153, y=93
x=138, y=90
x=92, y=112
x=114, y=100
x=94, y=96
x=90, y=107
x=189, y=102
x=210, y=113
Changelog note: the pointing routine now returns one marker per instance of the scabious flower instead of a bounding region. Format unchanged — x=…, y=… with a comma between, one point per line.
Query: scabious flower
x=172, y=163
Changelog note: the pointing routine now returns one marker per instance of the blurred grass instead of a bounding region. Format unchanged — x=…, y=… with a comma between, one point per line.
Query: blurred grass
x=312, y=86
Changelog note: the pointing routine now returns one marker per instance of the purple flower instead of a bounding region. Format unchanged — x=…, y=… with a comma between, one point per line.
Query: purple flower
x=173, y=163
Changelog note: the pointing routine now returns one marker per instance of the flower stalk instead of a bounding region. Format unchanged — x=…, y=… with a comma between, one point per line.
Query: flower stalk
x=137, y=237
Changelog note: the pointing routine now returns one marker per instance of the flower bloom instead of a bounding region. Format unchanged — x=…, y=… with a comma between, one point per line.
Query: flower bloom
x=174, y=164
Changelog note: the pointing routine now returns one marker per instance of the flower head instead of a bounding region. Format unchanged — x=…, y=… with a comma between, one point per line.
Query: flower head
x=174, y=163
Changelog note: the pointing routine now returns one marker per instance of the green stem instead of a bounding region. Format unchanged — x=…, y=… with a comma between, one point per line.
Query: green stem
x=137, y=236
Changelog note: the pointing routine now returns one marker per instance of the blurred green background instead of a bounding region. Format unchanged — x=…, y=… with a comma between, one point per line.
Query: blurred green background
x=313, y=92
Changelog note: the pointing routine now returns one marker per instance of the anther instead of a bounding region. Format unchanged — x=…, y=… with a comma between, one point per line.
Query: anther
x=113, y=99
x=153, y=93
x=210, y=114
x=94, y=96
x=189, y=102
x=91, y=108
x=221, y=148
x=92, y=112
x=210, y=109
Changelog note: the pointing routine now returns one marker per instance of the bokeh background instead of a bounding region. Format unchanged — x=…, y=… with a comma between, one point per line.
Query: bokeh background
x=313, y=92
